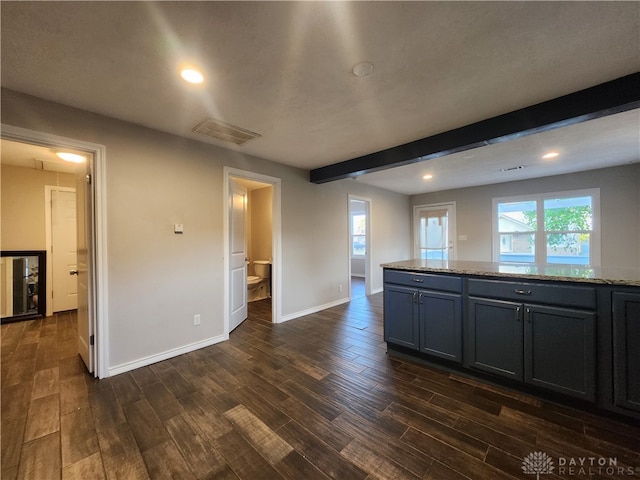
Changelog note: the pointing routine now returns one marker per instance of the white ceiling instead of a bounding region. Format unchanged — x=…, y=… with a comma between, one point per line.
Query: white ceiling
x=283, y=70
x=33, y=156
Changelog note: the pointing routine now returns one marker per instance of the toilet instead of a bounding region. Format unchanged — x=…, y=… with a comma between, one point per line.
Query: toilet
x=258, y=285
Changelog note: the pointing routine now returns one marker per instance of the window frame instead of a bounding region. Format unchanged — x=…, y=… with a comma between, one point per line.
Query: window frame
x=540, y=251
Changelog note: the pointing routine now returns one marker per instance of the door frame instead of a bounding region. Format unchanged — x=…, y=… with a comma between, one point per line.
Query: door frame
x=367, y=257
x=48, y=229
x=276, y=244
x=99, y=313
x=451, y=206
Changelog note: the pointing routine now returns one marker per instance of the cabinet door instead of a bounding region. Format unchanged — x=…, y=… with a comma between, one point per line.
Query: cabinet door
x=441, y=324
x=560, y=350
x=495, y=337
x=626, y=356
x=401, y=316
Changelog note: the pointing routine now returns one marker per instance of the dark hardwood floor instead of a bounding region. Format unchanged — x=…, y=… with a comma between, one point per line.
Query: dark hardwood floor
x=313, y=398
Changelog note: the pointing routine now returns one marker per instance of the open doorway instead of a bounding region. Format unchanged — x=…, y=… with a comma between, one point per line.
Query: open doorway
x=40, y=169
x=252, y=247
x=359, y=246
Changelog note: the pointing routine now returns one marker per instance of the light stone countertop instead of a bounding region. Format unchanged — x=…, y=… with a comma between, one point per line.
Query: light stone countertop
x=564, y=273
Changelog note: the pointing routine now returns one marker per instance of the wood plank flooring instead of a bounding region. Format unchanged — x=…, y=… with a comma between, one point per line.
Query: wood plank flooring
x=313, y=398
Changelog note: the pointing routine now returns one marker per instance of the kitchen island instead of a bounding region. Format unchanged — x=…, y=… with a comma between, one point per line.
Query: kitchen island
x=564, y=331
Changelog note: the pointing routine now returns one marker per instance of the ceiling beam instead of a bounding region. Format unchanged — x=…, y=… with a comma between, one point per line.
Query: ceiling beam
x=605, y=99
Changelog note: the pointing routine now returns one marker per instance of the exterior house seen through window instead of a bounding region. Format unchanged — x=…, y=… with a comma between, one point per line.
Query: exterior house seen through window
x=358, y=235
x=557, y=228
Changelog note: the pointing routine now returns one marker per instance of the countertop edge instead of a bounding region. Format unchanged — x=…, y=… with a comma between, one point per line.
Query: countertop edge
x=521, y=276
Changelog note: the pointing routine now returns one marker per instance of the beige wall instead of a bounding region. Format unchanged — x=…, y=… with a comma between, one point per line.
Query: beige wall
x=260, y=202
x=619, y=199
x=158, y=280
x=22, y=214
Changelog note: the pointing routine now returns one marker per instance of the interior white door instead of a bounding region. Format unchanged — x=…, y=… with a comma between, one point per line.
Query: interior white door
x=434, y=227
x=237, y=254
x=64, y=250
x=85, y=275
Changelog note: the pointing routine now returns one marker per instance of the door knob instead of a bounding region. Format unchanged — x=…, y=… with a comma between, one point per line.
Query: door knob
x=73, y=272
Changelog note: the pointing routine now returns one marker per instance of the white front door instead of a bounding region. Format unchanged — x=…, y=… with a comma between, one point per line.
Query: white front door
x=434, y=229
x=85, y=274
x=64, y=250
x=238, y=254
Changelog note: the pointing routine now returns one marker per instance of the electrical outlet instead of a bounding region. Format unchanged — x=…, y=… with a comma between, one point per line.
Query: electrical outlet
x=196, y=319
x=340, y=288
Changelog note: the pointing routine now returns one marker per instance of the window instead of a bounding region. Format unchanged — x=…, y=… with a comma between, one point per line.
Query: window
x=358, y=235
x=558, y=228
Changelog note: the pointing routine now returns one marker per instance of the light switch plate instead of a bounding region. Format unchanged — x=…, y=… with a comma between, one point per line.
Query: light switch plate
x=178, y=228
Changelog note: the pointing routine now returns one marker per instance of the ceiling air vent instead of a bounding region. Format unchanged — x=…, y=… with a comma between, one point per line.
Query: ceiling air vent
x=225, y=131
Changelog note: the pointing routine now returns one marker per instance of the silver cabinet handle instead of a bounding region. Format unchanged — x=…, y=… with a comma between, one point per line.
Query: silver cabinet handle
x=415, y=297
x=418, y=280
x=517, y=314
x=522, y=292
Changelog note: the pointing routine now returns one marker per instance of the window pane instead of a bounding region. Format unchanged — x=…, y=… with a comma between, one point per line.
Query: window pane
x=517, y=247
x=517, y=217
x=568, y=214
x=434, y=254
x=359, y=224
x=571, y=248
x=359, y=245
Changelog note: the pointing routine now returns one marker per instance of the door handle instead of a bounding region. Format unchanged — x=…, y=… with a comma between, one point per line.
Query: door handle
x=73, y=272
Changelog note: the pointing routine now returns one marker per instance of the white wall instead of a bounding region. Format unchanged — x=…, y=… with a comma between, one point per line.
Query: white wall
x=619, y=199
x=159, y=280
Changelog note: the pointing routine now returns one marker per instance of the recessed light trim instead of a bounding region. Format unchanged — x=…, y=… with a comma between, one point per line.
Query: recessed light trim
x=192, y=75
x=427, y=177
x=71, y=157
x=550, y=155
x=362, y=69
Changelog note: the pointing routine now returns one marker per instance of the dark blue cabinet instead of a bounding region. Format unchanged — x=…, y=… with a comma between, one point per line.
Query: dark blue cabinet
x=401, y=316
x=626, y=351
x=542, y=345
x=441, y=324
x=560, y=350
x=495, y=337
x=428, y=318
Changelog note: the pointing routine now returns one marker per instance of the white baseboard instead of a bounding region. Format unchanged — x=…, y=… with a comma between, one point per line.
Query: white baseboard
x=377, y=290
x=143, y=362
x=309, y=311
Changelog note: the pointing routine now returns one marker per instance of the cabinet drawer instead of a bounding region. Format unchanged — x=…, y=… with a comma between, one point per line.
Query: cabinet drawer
x=424, y=280
x=565, y=295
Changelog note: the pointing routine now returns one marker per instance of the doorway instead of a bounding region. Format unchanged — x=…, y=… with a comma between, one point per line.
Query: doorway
x=434, y=228
x=359, y=246
x=90, y=184
x=252, y=246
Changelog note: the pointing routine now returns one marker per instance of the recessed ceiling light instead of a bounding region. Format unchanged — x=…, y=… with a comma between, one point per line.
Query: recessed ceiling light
x=427, y=177
x=550, y=155
x=191, y=75
x=71, y=157
x=363, y=69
